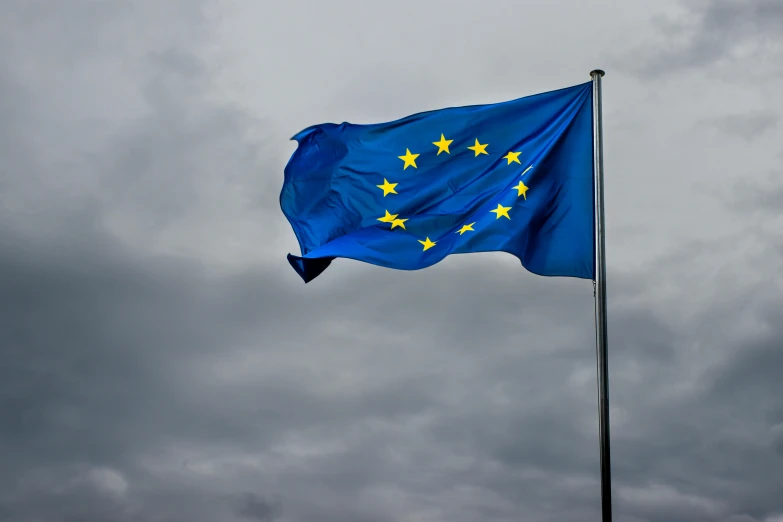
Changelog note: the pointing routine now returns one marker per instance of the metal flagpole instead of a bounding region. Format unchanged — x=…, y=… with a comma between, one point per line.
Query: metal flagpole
x=600, y=301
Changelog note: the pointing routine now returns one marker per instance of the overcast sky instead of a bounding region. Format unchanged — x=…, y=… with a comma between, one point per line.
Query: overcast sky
x=161, y=361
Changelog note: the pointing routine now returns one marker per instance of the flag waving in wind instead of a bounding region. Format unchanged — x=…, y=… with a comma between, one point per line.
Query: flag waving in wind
x=515, y=177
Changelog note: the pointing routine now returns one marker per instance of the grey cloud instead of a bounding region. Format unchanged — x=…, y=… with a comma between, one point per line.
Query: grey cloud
x=162, y=362
x=136, y=398
x=763, y=197
x=710, y=33
x=258, y=508
x=776, y=433
x=747, y=126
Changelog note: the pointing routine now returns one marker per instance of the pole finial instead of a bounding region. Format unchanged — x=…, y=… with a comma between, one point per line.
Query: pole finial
x=597, y=72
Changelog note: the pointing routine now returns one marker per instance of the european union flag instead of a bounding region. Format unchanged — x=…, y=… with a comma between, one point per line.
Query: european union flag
x=515, y=177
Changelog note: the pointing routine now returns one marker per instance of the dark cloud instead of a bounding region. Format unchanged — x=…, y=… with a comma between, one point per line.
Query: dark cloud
x=760, y=197
x=747, y=126
x=254, y=507
x=711, y=33
x=187, y=388
x=162, y=362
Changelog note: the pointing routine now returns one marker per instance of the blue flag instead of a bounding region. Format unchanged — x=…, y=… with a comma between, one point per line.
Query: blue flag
x=515, y=177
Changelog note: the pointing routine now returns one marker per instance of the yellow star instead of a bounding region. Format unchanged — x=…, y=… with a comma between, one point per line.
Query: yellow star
x=388, y=188
x=521, y=190
x=409, y=159
x=478, y=148
x=513, y=156
x=399, y=223
x=427, y=243
x=465, y=228
x=501, y=211
x=443, y=144
x=388, y=218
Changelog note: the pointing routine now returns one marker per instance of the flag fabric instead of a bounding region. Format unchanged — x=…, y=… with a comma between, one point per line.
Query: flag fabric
x=515, y=176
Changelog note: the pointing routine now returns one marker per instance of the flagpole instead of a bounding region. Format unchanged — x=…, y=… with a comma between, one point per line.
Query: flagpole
x=600, y=301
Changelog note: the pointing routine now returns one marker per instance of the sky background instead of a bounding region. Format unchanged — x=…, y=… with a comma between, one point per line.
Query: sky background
x=161, y=361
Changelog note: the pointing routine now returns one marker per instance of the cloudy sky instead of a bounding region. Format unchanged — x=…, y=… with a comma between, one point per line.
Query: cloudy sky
x=161, y=361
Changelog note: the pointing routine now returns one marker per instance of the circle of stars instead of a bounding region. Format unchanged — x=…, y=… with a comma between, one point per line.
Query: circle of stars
x=443, y=144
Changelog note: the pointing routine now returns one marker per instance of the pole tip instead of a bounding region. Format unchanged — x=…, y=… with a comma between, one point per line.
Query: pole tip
x=597, y=72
